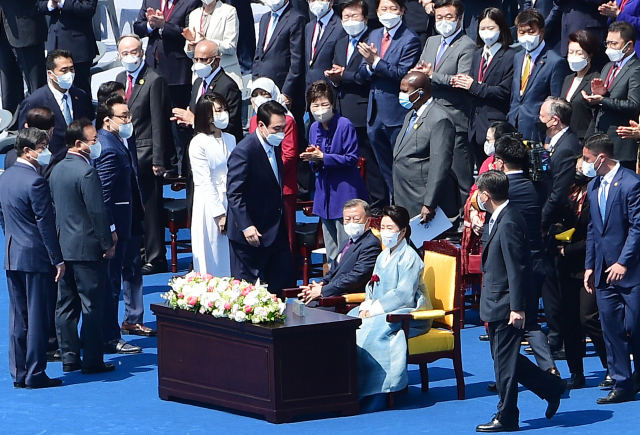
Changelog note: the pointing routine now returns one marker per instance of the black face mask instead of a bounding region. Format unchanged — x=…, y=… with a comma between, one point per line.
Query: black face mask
x=580, y=179
x=542, y=128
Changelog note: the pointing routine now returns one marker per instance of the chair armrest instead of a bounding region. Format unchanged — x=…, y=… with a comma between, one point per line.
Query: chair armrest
x=355, y=298
x=419, y=315
x=291, y=292
x=332, y=301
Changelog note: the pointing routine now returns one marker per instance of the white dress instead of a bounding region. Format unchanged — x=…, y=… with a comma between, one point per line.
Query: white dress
x=208, y=156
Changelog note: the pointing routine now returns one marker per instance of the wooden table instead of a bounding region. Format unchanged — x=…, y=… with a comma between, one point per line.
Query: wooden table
x=302, y=366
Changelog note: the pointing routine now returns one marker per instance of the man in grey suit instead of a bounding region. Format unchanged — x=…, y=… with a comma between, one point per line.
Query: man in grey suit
x=422, y=174
x=86, y=241
x=445, y=55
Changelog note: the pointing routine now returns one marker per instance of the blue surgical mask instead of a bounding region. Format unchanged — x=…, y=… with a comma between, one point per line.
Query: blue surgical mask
x=405, y=99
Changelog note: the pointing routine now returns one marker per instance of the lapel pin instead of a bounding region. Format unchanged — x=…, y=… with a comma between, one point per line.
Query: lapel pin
x=141, y=82
x=615, y=184
x=415, y=126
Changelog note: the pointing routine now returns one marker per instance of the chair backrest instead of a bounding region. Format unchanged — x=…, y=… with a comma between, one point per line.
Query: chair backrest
x=441, y=276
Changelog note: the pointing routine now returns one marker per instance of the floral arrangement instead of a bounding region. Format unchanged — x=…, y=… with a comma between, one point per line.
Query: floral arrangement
x=224, y=297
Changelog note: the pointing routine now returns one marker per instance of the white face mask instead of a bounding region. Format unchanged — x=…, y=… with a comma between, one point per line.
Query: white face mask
x=353, y=28
x=577, y=63
x=208, y=2
x=274, y=5
x=615, y=55
x=354, y=230
x=389, y=20
x=130, y=62
x=319, y=8
x=274, y=139
x=589, y=169
x=202, y=70
x=44, y=157
x=489, y=148
x=65, y=81
x=323, y=115
x=446, y=28
x=489, y=37
x=259, y=101
x=221, y=120
x=389, y=239
x=125, y=131
x=529, y=42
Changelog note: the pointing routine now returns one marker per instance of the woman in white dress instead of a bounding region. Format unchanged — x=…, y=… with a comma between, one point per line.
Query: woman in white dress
x=208, y=153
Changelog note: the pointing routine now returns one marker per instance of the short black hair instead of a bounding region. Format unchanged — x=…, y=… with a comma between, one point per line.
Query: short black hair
x=400, y=217
x=496, y=183
x=203, y=118
x=587, y=41
x=41, y=117
x=75, y=132
x=54, y=55
x=105, y=109
x=502, y=128
x=29, y=137
x=512, y=151
x=599, y=143
x=530, y=17
x=455, y=3
x=266, y=110
x=398, y=2
x=356, y=4
x=626, y=30
x=561, y=108
x=108, y=88
x=496, y=15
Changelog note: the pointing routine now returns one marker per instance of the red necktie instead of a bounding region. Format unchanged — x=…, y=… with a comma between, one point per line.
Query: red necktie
x=611, y=76
x=129, y=86
x=386, y=41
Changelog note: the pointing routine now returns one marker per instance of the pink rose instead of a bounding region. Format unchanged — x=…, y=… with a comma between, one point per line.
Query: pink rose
x=191, y=278
x=192, y=301
x=210, y=304
x=207, y=277
x=235, y=282
x=252, y=287
x=180, y=295
x=245, y=291
x=210, y=289
x=248, y=309
x=274, y=297
x=227, y=305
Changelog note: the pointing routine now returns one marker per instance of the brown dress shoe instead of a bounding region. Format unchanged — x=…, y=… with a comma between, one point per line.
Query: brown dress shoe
x=554, y=371
x=137, y=329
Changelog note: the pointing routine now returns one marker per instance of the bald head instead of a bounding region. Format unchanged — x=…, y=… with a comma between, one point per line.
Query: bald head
x=418, y=80
x=206, y=49
x=418, y=86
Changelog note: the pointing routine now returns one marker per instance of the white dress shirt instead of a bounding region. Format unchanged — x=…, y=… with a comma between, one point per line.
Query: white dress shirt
x=58, y=96
x=606, y=181
x=554, y=140
x=495, y=214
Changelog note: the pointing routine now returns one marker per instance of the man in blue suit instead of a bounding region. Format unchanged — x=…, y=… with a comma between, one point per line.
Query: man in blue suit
x=256, y=228
x=613, y=261
x=31, y=247
x=320, y=38
x=537, y=73
x=389, y=55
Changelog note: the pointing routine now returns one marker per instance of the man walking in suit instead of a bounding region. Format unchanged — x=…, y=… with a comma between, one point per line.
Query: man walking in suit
x=617, y=93
x=507, y=281
x=352, y=269
x=68, y=102
x=256, y=229
x=31, y=248
x=612, y=261
x=321, y=35
x=422, y=176
x=86, y=241
x=148, y=100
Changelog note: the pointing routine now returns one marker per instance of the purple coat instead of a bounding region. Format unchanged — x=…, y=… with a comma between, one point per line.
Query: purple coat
x=338, y=178
x=631, y=14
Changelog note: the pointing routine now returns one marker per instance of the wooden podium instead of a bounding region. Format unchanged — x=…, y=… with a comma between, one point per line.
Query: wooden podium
x=302, y=366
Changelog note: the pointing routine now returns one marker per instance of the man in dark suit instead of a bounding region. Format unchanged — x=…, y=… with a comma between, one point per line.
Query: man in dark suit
x=38, y=117
x=616, y=94
x=423, y=179
x=538, y=72
x=68, y=102
x=71, y=28
x=86, y=241
x=321, y=35
x=612, y=261
x=506, y=264
x=256, y=228
x=419, y=20
x=31, y=249
x=150, y=105
x=246, y=34
x=22, y=35
x=578, y=15
x=352, y=269
x=352, y=92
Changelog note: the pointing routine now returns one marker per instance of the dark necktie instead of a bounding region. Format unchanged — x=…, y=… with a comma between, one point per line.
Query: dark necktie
x=344, y=251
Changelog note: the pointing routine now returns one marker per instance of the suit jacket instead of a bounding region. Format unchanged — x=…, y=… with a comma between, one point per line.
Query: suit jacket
x=582, y=114
x=506, y=264
x=22, y=23
x=403, y=53
x=150, y=105
x=422, y=158
x=283, y=58
x=621, y=104
x=580, y=15
x=524, y=197
x=120, y=190
x=81, y=216
x=29, y=225
x=355, y=268
x=71, y=28
x=547, y=76
x=490, y=99
x=43, y=97
x=456, y=59
x=352, y=96
x=167, y=46
x=563, y=168
x=320, y=61
x=617, y=239
x=253, y=192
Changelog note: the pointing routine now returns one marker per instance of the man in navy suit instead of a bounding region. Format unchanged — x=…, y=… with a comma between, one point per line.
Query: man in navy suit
x=391, y=51
x=352, y=269
x=537, y=73
x=31, y=248
x=68, y=102
x=256, y=229
x=321, y=35
x=613, y=261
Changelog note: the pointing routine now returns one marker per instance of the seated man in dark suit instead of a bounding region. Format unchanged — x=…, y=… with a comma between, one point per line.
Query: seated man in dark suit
x=351, y=270
x=38, y=117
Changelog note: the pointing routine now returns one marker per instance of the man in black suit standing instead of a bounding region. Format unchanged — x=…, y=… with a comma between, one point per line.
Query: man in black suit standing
x=86, y=241
x=246, y=34
x=22, y=35
x=506, y=264
x=256, y=229
x=71, y=28
x=321, y=35
x=68, y=102
x=31, y=249
x=148, y=99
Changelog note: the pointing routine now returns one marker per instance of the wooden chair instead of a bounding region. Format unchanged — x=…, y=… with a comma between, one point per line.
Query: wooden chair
x=176, y=218
x=341, y=304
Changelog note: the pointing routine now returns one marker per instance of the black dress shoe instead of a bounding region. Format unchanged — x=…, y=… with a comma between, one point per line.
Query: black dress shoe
x=554, y=403
x=554, y=371
x=493, y=387
x=607, y=382
x=120, y=346
x=71, y=367
x=19, y=385
x=496, y=426
x=559, y=355
x=153, y=268
x=48, y=383
x=104, y=368
x=577, y=381
x=617, y=396
x=484, y=337
x=54, y=356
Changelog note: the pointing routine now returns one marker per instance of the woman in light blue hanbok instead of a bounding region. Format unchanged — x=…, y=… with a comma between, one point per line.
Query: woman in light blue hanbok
x=396, y=287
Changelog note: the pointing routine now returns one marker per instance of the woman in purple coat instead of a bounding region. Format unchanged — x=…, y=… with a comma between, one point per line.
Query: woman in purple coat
x=333, y=155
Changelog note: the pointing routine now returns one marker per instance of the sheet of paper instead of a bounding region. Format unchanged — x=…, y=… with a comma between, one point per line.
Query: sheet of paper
x=430, y=230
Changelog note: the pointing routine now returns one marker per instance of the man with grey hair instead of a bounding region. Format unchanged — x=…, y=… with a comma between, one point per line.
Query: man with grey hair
x=352, y=269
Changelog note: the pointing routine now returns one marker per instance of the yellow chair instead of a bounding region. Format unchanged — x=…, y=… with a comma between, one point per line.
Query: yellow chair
x=441, y=278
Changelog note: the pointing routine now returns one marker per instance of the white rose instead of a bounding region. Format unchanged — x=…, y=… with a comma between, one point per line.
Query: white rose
x=240, y=316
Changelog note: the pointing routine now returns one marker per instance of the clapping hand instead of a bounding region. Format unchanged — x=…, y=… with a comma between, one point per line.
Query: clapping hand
x=427, y=5
x=54, y=4
x=182, y=116
x=462, y=81
x=368, y=51
x=312, y=154
x=423, y=67
x=155, y=18
x=609, y=9
x=598, y=87
x=592, y=99
x=335, y=73
x=631, y=132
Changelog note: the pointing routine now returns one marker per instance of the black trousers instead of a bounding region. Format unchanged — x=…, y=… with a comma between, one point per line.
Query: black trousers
x=376, y=187
x=462, y=164
x=155, y=251
x=83, y=76
x=553, y=308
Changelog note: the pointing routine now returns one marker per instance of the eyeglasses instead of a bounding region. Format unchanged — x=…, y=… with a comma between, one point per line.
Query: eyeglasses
x=203, y=59
x=126, y=117
x=611, y=43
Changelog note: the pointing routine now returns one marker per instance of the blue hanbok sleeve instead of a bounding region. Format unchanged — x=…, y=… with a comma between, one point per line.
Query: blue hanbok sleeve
x=403, y=295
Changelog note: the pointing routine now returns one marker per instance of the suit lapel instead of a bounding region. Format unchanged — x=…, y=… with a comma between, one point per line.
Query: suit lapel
x=449, y=50
x=53, y=105
x=494, y=61
x=279, y=26
x=265, y=160
x=517, y=70
x=537, y=66
x=494, y=230
x=414, y=129
x=614, y=190
x=623, y=72
x=325, y=35
x=140, y=82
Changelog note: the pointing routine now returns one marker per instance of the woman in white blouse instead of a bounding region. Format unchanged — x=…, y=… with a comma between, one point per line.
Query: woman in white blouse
x=208, y=153
x=218, y=22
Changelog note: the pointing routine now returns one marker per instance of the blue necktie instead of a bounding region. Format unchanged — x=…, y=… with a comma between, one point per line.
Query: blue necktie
x=440, y=52
x=603, y=199
x=352, y=48
x=412, y=122
x=274, y=163
x=67, y=111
